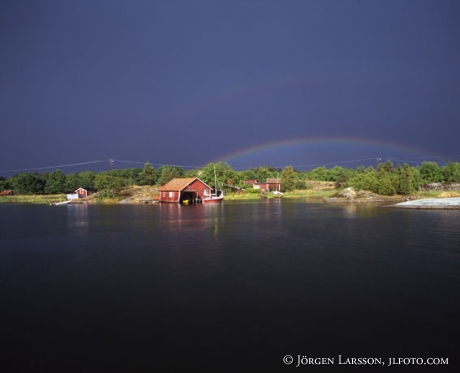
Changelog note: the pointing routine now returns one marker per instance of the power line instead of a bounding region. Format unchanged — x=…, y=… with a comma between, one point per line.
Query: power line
x=407, y=160
x=157, y=164
x=55, y=167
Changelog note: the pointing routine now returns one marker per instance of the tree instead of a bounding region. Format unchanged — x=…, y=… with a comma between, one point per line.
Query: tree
x=387, y=166
x=107, y=185
x=319, y=174
x=224, y=173
x=451, y=172
x=366, y=180
x=406, y=180
x=72, y=182
x=147, y=176
x=87, y=180
x=430, y=172
x=28, y=183
x=167, y=173
x=264, y=172
x=55, y=183
x=287, y=179
x=386, y=185
x=132, y=176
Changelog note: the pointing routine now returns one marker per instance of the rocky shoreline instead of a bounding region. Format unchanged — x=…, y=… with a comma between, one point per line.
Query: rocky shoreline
x=448, y=201
x=351, y=195
x=430, y=203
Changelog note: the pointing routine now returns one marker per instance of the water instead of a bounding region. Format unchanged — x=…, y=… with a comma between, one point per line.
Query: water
x=225, y=288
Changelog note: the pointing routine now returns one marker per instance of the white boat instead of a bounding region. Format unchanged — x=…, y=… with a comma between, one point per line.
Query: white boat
x=214, y=198
x=60, y=203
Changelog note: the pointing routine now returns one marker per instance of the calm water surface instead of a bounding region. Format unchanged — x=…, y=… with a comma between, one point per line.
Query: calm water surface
x=225, y=288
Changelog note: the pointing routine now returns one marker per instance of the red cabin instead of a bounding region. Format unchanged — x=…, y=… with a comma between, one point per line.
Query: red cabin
x=188, y=189
x=82, y=193
x=270, y=184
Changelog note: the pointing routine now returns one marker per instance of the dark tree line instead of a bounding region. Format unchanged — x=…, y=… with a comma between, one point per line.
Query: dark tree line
x=386, y=179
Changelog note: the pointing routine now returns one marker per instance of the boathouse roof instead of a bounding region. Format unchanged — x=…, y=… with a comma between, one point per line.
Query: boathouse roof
x=176, y=185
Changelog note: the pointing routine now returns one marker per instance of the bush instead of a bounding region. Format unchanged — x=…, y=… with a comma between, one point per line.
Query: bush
x=252, y=191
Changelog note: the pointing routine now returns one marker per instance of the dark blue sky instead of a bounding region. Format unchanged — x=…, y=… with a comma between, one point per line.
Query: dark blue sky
x=190, y=82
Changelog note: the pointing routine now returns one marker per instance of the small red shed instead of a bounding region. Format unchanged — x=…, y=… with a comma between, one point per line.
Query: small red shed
x=82, y=193
x=179, y=190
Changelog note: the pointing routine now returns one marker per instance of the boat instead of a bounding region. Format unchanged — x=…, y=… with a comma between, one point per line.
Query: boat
x=216, y=197
x=60, y=203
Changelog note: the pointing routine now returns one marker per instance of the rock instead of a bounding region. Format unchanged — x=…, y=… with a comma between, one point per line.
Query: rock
x=348, y=193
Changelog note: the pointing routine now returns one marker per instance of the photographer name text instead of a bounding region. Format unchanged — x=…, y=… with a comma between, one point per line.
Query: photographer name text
x=303, y=360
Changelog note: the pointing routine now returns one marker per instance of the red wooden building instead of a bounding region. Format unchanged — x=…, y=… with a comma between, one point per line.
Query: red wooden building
x=82, y=193
x=188, y=189
x=269, y=185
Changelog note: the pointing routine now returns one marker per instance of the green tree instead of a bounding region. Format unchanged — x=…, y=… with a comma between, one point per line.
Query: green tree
x=224, y=173
x=132, y=176
x=387, y=166
x=451, y=172
x=107, y=185
x=167, y=173
x=386, y=185
x=55, y=183
x=388, y=181
x=406, y=180
x=366, y=180
x=28, y=183
x=147, y=175
x=430, y=172
x=72, y=182
x=288, y=179
x=263, y=173
x=87, y=180
x=191, y=173
x=319, y=174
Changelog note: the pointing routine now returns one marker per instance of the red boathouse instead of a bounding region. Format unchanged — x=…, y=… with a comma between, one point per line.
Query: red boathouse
x=189, y=189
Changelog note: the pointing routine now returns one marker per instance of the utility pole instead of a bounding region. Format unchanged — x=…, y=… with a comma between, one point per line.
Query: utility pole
x=377, y=163
x=111, y=161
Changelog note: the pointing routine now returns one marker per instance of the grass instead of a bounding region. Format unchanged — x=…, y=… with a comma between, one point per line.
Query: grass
x=436, y=194
x=40, y=199
x=308, y=193
x=428, y=193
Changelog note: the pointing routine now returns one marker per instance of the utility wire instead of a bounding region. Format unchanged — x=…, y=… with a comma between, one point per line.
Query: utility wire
x=407, y=160
x=55, y=167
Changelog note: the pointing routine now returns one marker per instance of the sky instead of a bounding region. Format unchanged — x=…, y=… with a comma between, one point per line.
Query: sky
x=252, y=83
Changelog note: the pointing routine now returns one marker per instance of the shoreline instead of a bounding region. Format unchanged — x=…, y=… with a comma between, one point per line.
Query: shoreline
x=422, y=202
x=450, y=203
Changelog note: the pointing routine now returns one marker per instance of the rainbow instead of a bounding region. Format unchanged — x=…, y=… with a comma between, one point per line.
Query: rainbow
x=317, y=151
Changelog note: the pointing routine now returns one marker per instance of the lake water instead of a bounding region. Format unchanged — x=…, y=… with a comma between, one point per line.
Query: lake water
x=225, y=288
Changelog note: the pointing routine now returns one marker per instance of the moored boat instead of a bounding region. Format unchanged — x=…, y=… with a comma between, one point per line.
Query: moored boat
x=60, y=203
x=214, y=198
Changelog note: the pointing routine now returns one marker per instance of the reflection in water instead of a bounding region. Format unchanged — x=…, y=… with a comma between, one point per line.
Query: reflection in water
x=322, y=279
x=77, y=219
